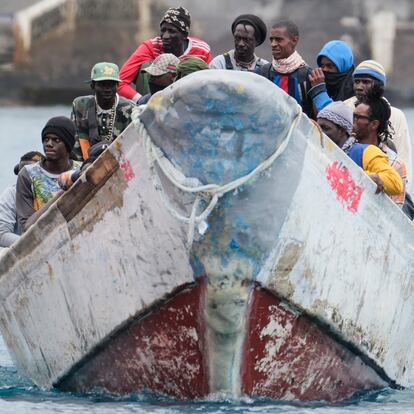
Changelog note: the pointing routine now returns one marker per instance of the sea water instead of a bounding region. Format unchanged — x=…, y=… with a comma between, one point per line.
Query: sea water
x=20, y=131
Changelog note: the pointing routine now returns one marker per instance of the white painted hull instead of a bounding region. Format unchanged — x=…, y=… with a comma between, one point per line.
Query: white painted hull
x=334, y=252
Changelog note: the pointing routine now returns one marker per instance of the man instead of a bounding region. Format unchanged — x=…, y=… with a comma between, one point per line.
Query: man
x=9, y=232
x=288, y=70
x=332, y=80
x=162, y=73
x=37, y=184
x=369, y=74
x=249, y=31
x=103, y=115
x=336, y=121
x=371, y=116
x=190, y=65
x=174, y=38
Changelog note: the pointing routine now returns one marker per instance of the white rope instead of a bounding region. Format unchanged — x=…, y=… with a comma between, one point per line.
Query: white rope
x=193, y=185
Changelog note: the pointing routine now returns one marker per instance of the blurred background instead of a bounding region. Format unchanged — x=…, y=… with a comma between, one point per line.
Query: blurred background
x=47, y=47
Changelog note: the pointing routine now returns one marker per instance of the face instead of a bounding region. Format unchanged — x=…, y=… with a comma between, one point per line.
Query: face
x=244, y=41
x=163, y=80
x=334, y=132
x=283, y=45
x=327, y=65
x=362, y=122
x=54, y=148
x=172, y=38
x=105, y=91
x=362, y=86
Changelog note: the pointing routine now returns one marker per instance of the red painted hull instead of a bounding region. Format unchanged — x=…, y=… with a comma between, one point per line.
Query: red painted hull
x=285, y=355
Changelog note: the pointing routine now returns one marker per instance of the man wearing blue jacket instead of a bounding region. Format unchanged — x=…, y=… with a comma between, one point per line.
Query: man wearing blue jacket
x=332, y=80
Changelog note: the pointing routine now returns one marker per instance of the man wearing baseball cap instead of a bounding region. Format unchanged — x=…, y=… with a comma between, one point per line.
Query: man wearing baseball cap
x=103, y=115
x=174, y=38
x=367, y=74
x=161, y=74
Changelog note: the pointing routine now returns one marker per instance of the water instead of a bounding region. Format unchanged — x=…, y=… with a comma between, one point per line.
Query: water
x=20, y=132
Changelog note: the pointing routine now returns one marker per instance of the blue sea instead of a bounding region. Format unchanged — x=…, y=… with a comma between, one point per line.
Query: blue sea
x=20, y=129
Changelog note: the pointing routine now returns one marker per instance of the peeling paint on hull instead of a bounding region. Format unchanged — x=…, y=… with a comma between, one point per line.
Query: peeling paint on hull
x=286, y=355
x=163, y=351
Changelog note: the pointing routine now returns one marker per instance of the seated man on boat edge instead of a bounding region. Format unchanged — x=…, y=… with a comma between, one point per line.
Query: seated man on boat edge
x=103, y=115
x=173, y=38
x=37, y=184
x=336, y=121
x=249, y=31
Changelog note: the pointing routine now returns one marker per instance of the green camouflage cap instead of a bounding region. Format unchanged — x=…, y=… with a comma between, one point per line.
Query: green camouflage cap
x=105, y=71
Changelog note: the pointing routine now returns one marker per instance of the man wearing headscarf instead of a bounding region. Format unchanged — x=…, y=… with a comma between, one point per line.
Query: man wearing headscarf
x=174, y=38
x=249, y=31
x=190, y=65
x=37, y=184
x=332, y=80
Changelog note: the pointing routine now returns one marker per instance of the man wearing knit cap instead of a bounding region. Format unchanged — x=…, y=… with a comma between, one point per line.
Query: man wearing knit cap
x=37, y=184
x=190, y=65
x=249, y=31
x=367, y=74
x=174, y=38
x=336, y=121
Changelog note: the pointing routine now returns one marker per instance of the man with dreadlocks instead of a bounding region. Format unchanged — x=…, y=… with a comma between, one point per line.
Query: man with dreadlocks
x=336, y=121
x=370, y=73
x=249, y=31
x=174, y=38
x=371, y=122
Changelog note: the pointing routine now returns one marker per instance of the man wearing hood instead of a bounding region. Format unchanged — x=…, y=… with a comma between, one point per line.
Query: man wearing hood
x=249, y=31
x=332, y=80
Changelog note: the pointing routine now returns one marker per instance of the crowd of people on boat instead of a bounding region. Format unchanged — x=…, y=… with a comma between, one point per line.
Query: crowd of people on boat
x=346, y=102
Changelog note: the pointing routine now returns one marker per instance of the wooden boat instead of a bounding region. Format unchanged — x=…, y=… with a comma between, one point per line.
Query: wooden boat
x=221, y=244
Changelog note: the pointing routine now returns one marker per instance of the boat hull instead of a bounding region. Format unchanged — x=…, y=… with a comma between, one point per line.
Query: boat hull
x=244, y=255
x=286, y=355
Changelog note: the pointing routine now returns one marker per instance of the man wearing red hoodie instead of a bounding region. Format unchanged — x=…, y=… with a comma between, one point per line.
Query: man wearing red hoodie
x=173, y=38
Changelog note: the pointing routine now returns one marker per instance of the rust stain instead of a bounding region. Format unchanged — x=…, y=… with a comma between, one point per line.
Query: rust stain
x=280, y=276
x=51, y=272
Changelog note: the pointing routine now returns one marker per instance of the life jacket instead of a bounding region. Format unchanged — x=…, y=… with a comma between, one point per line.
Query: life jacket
x=303, y=83
x=356, y=153
x=229, y=63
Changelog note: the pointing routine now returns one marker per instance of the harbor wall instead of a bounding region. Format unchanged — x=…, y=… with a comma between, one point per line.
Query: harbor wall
x=48, y=47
